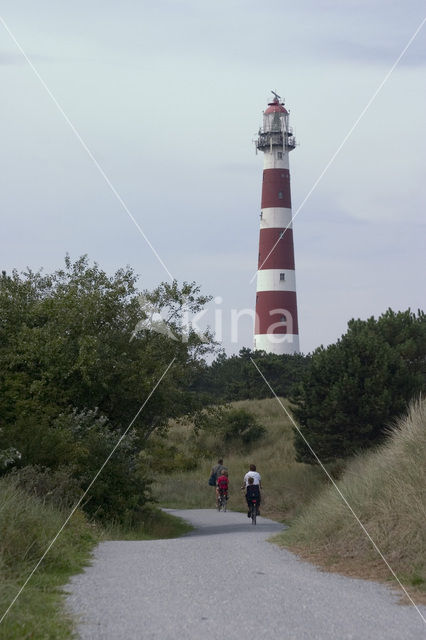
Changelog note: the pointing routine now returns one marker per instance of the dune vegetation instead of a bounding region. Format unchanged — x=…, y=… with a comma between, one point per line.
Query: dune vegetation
x=27, y=525
x=386, y=488
x=287, y=485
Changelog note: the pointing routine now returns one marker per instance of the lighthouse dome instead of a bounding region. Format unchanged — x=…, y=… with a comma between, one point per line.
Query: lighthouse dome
x=275, y=107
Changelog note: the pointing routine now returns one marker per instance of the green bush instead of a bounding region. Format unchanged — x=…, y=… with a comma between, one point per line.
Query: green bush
x=160, y=457
x=53, y=486
x=234, y=426
x=71, y=450
x=239, y=425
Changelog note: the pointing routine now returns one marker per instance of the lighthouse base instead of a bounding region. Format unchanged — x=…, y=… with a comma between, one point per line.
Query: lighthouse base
x=277, y=343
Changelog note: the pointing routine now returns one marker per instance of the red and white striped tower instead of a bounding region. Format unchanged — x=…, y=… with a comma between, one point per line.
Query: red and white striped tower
x=276, y=327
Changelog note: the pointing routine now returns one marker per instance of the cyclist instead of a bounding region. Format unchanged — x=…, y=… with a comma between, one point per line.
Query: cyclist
x=252, y=492
x=222, y=486
x=252, y=473
x=216, y=471
x=257, y=481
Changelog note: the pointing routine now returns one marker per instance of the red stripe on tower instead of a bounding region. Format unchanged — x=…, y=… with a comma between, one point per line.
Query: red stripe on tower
x=269, y=256
x=276, y=326
x=276, y=188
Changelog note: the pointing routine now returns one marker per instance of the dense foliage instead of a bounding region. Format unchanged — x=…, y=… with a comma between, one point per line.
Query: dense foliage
x=355, y=388
x=80, y=352
x=235, y=426
x=235, y=378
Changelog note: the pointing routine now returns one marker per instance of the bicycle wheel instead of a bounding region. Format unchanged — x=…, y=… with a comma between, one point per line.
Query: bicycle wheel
x=253, y=512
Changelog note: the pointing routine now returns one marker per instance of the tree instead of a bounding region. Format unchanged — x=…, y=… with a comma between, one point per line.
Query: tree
x=80, y=344
x=353, y=389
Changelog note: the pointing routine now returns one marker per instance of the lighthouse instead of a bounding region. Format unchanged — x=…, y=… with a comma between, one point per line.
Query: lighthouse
x=276, y=326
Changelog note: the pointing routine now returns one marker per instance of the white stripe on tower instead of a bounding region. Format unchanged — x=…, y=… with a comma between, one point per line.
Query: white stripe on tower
x=276, y=326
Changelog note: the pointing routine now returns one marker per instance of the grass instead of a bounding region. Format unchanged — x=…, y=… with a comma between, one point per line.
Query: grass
x=26, y=528
x=156, y=524
x=27, y=525
x=287, y=485
x=386, y=489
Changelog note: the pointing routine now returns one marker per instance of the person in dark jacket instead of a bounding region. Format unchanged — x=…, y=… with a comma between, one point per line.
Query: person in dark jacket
x=252, y=492
x=217, y=469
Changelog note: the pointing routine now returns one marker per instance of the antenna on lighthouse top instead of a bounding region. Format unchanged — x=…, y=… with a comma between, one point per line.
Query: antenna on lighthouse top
x=277, y=97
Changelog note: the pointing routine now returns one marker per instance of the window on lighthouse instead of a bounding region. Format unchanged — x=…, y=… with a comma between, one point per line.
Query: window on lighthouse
x=280, y=195
x=283, y=318
x=282, y=276
x=280, y=155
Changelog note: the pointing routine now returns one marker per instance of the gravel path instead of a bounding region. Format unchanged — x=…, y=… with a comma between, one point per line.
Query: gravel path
x=224, y=581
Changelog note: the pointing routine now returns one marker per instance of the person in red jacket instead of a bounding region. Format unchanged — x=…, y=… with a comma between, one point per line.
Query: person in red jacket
x=222, y=486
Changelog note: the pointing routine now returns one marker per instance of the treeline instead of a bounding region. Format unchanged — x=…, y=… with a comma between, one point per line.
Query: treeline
x=236, y=378
x=78, y=359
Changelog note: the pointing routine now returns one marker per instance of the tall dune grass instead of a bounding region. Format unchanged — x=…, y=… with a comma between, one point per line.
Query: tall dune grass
x=387, y=490
x=287, y=485
x=27, y=525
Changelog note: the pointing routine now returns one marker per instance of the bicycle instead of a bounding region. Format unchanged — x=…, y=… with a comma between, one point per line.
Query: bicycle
x=221, y=502
x=253, y=510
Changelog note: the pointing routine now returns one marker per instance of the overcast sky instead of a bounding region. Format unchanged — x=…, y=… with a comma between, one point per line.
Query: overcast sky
x=168, y=96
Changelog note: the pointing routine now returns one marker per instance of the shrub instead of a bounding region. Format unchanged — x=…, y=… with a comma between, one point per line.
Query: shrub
x=160, y=457
x=52, y=486
x=235, y=426
x=85, y=439
x=241, y=426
